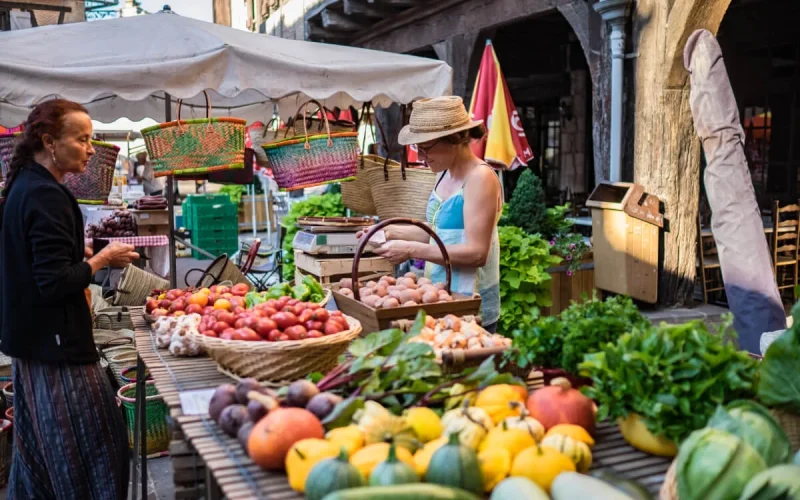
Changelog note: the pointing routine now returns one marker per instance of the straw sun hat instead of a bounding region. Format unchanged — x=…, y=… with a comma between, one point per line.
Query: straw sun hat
x=434, y=118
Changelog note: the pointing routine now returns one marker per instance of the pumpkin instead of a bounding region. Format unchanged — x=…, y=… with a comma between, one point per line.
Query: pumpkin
x=500, y=401
x=576, y=450
x=368, y=457
x=541, y=464
x=457, y=466
x=350, y=438
x=423, y=457
x=379, y=426
x=495, y=465
x=425, y=423
x=274, y=435
x=392, y=471
x=559, y=403
x=303, y=456
x=526, y=423
x=471, y=423
x=332, y=474
x=511, y=440
x=576, y=432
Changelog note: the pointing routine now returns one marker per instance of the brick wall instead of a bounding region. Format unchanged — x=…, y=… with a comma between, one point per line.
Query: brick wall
x=573, y=135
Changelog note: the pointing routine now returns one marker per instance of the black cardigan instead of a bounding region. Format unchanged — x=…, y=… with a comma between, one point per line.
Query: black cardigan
x=43, y=312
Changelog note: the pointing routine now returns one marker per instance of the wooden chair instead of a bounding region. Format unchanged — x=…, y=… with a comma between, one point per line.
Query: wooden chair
x=708, y=268
x=786, y=247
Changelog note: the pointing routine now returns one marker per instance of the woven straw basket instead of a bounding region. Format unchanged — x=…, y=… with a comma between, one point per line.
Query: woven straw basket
x=93, y=185
x=135, y=285
x=7, y=144
x=357, y=194
x=271, y=361
x=221, y=270
x=8, y=394
x=114, y=318
x=313, y=160
x=790, y=423
x=401, y=192
x=196, y=146
x=669, y=489
x=119, y=361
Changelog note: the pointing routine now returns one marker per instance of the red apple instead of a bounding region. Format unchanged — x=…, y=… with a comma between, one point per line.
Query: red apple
x=207, y=310
x=193, y=309
x=178, y=305
x=159, y=312
x=152, y=305
x=213, y=288
x=220, y=327
x=164, y=304
x=240, y=289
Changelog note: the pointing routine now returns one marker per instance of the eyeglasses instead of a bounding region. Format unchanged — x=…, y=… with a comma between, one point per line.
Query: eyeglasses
x=425, y=150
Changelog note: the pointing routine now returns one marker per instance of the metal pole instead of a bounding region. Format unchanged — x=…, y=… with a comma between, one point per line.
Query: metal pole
x=173, y=265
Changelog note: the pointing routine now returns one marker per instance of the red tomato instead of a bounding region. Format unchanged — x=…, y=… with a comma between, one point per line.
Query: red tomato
x=210, y=333
x=284, y=320
x=296, y=332
x=270, y=311
x=283, y=338
x=320, y=315
x=240, y=289
x=227, y=317
x=314, y=325
x=271, y=303
x=258, y=313
x=292, y=302
x=282, y=302
x=274, y=335
x=208, y=310
x=220, y=327
x=239, y=310
x=313, y=306
x=339, y=320
x=246, y=334
x=304, y=316
x=314, y=334
x=264, y=326
x=227, y=334
x=332, y=328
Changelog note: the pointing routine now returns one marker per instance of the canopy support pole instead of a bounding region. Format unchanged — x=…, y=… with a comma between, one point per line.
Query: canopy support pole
x=173, y=280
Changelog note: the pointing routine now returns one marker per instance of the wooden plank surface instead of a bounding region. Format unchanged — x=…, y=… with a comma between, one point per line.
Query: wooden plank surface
x=239, y=478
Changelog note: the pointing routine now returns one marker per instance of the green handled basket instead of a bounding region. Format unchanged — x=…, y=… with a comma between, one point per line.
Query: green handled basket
x=196, y=146
x=313, y=160
x=155, y=421
x=93, y=185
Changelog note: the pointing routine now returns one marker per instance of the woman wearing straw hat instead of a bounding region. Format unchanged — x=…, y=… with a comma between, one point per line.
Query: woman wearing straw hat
x=463, y=209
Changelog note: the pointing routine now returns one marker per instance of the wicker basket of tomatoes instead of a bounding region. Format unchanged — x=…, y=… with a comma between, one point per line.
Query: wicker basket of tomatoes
x=281, y=339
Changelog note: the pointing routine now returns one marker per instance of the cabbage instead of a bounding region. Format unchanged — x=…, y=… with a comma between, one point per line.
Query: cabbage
x=777, y=483
x=715, y=465
x=753, y=423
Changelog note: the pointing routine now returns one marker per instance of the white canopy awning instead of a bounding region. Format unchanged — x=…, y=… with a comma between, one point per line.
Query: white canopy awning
x=123, y=68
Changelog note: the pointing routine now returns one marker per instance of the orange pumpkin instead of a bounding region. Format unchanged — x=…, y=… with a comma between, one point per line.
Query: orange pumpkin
x=559, y=403
x=522, y=391
x=275, y=434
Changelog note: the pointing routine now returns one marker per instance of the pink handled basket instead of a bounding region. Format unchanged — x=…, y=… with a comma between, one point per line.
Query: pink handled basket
x=313, y=160
x=196, y=146
x=93, y=185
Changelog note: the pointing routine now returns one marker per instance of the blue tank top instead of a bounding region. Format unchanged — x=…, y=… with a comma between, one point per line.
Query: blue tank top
x=446, y=217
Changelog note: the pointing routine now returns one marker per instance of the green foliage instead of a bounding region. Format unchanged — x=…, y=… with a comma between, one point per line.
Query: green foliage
x=674, y=376
x=527, y=209
x=779, y=385
x=234, y=191
x=325, y=205
x=524, y=281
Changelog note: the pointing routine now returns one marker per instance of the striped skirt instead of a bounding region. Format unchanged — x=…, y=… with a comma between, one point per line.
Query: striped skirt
x=70, y=439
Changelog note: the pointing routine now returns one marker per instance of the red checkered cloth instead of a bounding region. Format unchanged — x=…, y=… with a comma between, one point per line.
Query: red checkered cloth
x=142, y=241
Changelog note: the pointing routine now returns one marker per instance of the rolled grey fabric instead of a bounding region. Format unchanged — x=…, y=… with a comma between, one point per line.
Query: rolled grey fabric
x=736, y=221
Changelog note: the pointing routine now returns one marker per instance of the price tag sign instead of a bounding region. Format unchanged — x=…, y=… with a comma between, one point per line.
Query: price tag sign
x=195, y=402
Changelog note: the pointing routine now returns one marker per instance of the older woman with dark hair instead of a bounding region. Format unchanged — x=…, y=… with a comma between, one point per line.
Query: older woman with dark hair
x=70, y=439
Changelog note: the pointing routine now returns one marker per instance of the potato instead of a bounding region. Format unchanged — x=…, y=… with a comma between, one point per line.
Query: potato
x=410, y=303
x=410, y=295
x=380, y=291
x=365, y=292
x=370, y=300
x=372, y=284
x=396, y=293
x=412, y=275
x=427, y=288
x=430, y=297
x=423, y=281
x=346, y=292
x=390, y=303
x=379, y=302
x=439, y=286
x=407, y=282
x=346, y=283
x=389, y=280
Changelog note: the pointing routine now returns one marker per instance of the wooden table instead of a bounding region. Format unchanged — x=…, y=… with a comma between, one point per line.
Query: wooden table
x=219, y=466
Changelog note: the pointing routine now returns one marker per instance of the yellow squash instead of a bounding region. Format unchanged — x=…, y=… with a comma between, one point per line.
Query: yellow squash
x=636, y=433
x=511, y=440
x=423, y=457
x=351, y=438
x=500, y=401
x=367, y=458
x=577, y=451
x=380, y=425
x=303, y=456
x=527, y=424
x=495, y=465
x=541, y=464
x=576, y=432
x=425, y=422
x=471, y=423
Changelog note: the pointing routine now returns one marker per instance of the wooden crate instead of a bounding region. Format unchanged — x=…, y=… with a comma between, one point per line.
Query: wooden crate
x=566, y=289
x=246, y=214
x=329, y=270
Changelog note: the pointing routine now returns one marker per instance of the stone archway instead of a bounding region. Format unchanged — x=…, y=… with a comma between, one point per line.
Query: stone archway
x=666, y=150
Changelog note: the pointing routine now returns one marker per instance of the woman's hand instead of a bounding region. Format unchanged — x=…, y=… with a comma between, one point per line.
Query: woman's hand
x=396, y=251
x=118, y=254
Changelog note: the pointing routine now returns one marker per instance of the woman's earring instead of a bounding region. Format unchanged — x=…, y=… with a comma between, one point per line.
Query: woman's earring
x=53, y=154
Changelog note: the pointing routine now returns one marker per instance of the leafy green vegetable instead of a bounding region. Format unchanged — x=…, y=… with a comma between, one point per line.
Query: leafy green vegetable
x=234, y=191
x=524, y=281
x=715, y=465
x=325, y=205
x=674, y=376
x=753, y=423
x=253, y=299
x=781, y=482
x=301, y=292
x=315, y=289
x=779, y=383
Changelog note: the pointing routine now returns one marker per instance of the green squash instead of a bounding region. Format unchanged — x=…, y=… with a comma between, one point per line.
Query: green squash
x=455, y=465
x=755, y=426
x=392, y=471
x=778, y=483
x=332, y=474
x=518, y=488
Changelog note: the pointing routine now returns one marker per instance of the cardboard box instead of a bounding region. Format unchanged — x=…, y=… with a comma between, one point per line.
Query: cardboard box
x=151, y=217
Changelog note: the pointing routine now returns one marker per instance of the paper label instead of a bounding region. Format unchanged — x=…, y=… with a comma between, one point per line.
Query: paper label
x=144, y=216
x=196, y=402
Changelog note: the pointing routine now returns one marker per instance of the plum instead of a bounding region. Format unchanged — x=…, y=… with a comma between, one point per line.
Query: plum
x=224, y=396
x=244, y=386
x=300, y=393
x=232, y=419
x=323, y=404
x=256, y=410
x=244, y=434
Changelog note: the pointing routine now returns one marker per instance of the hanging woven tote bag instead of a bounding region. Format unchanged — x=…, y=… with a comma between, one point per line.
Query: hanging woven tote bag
x=313, y=160
x=93, y=185
x=7, y=144
x=197, y=145
x=356, y=194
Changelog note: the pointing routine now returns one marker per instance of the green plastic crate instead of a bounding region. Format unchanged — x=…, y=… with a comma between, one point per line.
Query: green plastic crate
x=211, y=236
x=216, y=249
